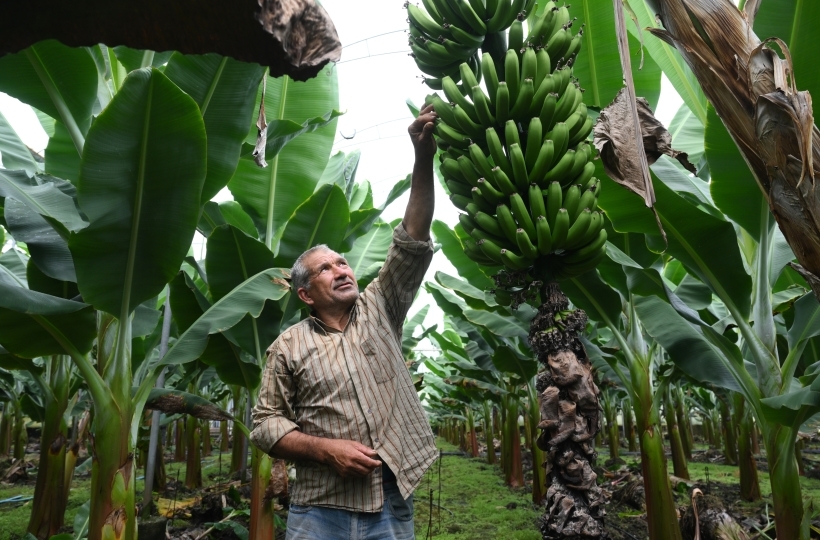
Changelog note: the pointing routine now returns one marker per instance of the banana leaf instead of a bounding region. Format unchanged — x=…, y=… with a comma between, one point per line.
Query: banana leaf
x=14, y=153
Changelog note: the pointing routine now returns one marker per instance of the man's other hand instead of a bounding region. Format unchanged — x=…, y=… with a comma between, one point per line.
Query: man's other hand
x=421, y=132
x=350, y=458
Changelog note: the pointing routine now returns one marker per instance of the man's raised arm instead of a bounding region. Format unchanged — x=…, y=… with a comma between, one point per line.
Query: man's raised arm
x=419, y=213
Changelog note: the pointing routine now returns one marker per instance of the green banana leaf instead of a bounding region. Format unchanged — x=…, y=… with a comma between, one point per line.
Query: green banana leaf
x=806, y=323
x=449, y=302
x=507, y=360
x=599, y=300
x=474, y=297
x=141, y=195
x=370, y=249
x=734, y=189
x=47, y=248
x=598, y=64
x=58, y=80
x=31, y=323
x=454, y=251
x=14, y=154
x=669, y=60
x=13, y=268
x=48, y=196
x=38, y=281
x=687, y=134
x=62, y=159
x=224, y=89
x=497, y=324
x=132, y=59
x=225, y=213
x=272, y=194
x=321, y=219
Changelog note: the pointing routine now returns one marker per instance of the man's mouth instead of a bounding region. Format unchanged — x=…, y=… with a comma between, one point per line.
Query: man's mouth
x=343, y=285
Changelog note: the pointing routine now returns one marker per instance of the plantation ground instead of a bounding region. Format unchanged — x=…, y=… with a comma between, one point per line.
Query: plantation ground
x=472, y=504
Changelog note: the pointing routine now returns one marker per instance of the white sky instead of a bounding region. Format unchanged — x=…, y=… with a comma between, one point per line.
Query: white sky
x=376, y=76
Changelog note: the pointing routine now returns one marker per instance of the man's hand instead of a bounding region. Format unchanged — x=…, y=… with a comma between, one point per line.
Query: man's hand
x=350, y=458
x=421, y=133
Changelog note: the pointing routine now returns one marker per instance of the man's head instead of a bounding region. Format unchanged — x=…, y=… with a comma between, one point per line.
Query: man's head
x=324, y=281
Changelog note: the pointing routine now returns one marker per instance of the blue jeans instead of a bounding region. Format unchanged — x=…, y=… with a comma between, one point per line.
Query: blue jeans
x=394, y=522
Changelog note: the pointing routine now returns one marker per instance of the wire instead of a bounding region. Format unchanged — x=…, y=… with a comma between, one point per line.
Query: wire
x=371, y=37
x=370, y=56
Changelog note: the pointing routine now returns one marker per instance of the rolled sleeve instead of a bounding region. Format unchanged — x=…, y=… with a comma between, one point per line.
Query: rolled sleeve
x=273, y=416
x=402, y=274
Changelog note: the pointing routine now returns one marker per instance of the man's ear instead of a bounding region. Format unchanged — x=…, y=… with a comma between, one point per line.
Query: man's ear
x=304, y=296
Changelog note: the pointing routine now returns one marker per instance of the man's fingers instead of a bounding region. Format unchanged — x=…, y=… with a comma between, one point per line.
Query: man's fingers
x=426, y=109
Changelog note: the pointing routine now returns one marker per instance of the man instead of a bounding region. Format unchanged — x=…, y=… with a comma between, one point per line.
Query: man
x=336, y=397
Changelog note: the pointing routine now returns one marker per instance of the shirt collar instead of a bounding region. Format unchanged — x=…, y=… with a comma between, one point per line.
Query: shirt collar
x=320, y=326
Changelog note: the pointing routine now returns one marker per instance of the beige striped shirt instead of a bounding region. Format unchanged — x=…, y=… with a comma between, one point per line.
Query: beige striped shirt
x=352, y=385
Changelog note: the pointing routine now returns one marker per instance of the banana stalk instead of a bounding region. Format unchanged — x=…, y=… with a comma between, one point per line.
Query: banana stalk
x=678, y=456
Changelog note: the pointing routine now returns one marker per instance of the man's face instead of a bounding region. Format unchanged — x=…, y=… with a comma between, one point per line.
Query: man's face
x=332, y=283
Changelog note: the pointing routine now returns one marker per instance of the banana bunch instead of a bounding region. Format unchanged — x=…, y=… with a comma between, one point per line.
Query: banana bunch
x=446, y=33
x=515, y=157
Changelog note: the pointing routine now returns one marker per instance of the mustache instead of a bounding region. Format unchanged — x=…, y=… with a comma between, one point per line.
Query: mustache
x=345, y=281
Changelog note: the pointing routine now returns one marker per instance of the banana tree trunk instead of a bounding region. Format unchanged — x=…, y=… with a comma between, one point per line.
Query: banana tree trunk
x=488, y=432
x=179, y=440
x=50, y=493
x=729, y=437
x=783, y=473
x=238, y=439
x=629, y=428
x=224, y=441
x=193, y=462
x=679, y=464
x=262, y=525
x=19, y=433
x=73, y=450
x=205, y=430
x=5, y=429
x=516, y=470
x=749, y=483
x=684, y=425
x=539, y=473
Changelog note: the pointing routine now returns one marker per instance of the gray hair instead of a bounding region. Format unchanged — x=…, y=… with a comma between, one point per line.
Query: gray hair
x=299, y=273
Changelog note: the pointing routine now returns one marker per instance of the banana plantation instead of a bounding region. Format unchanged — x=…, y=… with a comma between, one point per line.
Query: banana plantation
x=621, y=320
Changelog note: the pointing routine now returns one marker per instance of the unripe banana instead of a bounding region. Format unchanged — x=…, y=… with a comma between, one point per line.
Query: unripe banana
x=506, y=221
x=459, y=188
x=450, y=169
x=471, y=17
x=596, y=224
x=482, y=107
x=534, y=138
x=575, y=121
x=558, y=43
x=522, y=215
x=563, y=77
x=559, y=232
x=571, y=199
x=468, y=172
x=503, y=182
x=529, y=65
x=451, y=151
x=454, y=95
x=513, y=261
x=467, y=223
x=497, y=152
x=585, y=174
x=528, y=250
x=465, y=38
x=503, y=297
x=472, y=250
x=543, y=67
x=490, y=76
x=537, y=207
x=547, y=113
x=489, y=192
x=587, y=250
x=522, y=104
x=582, y=133
x=587, y=149
x=422, y=21
x=457, y=50
x=472, y=208
x=444, y=110
x=542, y=231
x=512, y=74
x=473, y=130
x=574, y=45
x=482, y=201
x=467, y=77
x=543, y=162
x=459, y=201
x=511, y=133
x=591, y=184
x=519, y=167
x=578, y=229
x=432, y=11
x=488, y=224
x=516, y=36
x=560, y=136
x=480, y=160
x=560, y=19
x=555, y=200
x=491, y=250
x=559, y=171
x=577, y=166
x=433, y=83
x=502, y=103
x=566, y=105
x=500, y=19
x=543, y=88
x=422, y=53
x=451, y=136
x=569, y=270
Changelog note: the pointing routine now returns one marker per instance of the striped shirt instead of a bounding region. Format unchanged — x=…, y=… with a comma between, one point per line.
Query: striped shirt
x=352, y=385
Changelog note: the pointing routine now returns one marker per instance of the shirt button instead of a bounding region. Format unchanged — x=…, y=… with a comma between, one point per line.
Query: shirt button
x=376, y=439
x=369, y=411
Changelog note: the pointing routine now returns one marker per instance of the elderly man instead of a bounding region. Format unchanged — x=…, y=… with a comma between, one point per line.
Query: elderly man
x=336, y=397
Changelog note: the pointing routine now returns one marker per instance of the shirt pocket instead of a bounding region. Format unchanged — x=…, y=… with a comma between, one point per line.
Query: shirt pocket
x=382, y=364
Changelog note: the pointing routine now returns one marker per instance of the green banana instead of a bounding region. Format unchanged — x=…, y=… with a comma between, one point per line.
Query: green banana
x=512, y=74
x=467, y=77
x=489, y=192
x=467, y=223
x=586, y=147
x=559, y=232
x=534, y=138
x=451, y=136
x=576, y=121
x=480, y=161
x=444, y=110
x=491, y=250
x=471, y=17
x=574, y=45
x=451, y=170
x=482, y=107
x=490, y=76
x=542, y=25
x=472, y=250
x=576, y=269
x=528, y=250
x=506, y=222
x=465, y=38
x=578, y=228
x=582, y=133
x=516, y=36
x=432, y=11
x=519, y=167
x=513, y=261
x=451, y=151
x=502, y=297
x=437, y=71
x=450, y=14
x=537, y=207
x=578, y=165
x=511, y=133
x=585, y=174
x=422, y=53
x=433, y=83
x=558, y=43
x=543, y=64
x=472, y=208
x=596, y=224
x=502, y=103
x=478, y=234
x=473, y=130
x=497, y=152
x=543, y=162
x=591, y=184
x=488, y=224
x=587, y=250
x=482, y=201
x=543, y=88
x=500, y=19
x=587, y=200
x=555, y=200
x=423, y=22
x=559, y=170
x=457, y=50
x=560, y=136
x=502, y=181
x=467, y=170
x=564, y=77
x=571, y=199
x=542, y=231
x=522, y=104
x=547, y=113
x=566, y=105
x=560, y=19
x=454, y=95
x=458, y=188
x=529, y=65
x=459, y=201
x=522, y=215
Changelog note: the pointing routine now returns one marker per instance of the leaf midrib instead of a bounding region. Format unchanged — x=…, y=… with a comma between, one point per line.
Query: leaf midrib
x=593, y=73
x=275, y=167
